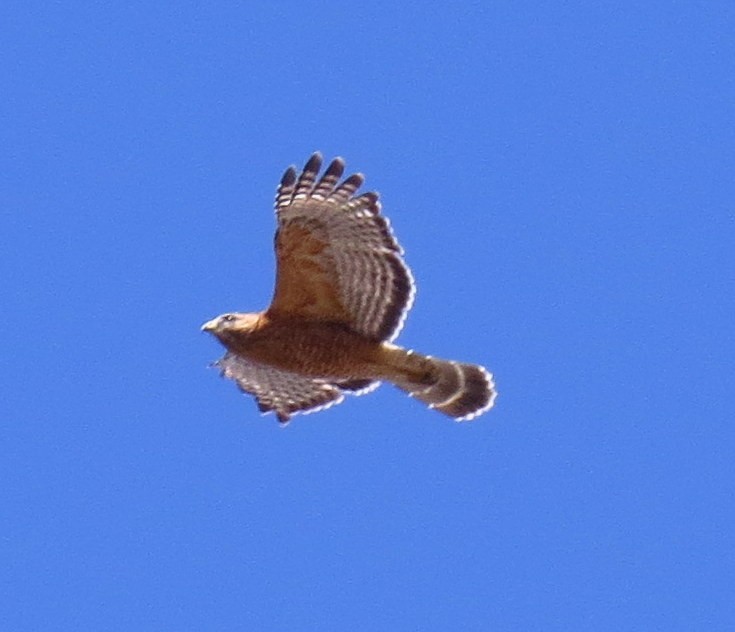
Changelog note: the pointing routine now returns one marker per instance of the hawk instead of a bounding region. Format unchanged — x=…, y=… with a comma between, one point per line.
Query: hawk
x=342, y=293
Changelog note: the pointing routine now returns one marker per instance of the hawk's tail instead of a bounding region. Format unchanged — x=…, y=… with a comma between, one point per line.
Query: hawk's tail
x=460, y=390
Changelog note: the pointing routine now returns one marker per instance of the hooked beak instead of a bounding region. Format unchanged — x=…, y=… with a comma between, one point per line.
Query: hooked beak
x=210, y=325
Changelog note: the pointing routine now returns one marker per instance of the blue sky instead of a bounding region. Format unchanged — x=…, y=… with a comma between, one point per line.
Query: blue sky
x=560, y=175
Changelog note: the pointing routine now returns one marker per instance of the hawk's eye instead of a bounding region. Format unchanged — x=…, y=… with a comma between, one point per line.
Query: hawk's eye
x=228, y=318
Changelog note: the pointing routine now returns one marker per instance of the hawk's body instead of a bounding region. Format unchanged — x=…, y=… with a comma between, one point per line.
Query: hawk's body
x=342, y=293
x=310, y=347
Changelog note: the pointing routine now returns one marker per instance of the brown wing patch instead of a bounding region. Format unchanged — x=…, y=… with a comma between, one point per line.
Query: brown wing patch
x=304, y=279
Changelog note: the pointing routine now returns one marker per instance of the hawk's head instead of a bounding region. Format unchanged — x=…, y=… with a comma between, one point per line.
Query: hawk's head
x=234, y=325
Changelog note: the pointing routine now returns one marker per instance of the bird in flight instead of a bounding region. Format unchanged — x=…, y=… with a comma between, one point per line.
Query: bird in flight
x=342, y=293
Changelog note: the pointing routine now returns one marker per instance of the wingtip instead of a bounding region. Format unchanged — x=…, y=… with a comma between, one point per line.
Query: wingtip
x=314, y=163
x=289, y=176
x=336, y=167
x=355, y=181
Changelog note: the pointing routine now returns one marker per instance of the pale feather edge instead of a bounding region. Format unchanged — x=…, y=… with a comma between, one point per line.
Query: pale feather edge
x=329, y=404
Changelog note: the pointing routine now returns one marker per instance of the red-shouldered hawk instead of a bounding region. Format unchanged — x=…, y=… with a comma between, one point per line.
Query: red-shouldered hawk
x=342, y=294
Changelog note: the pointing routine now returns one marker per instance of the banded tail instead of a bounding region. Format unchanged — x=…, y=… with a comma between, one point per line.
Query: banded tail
x=459, y=390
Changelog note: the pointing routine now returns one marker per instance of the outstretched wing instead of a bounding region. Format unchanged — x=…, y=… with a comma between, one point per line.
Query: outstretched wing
x=286, y=393
x=337, y=259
